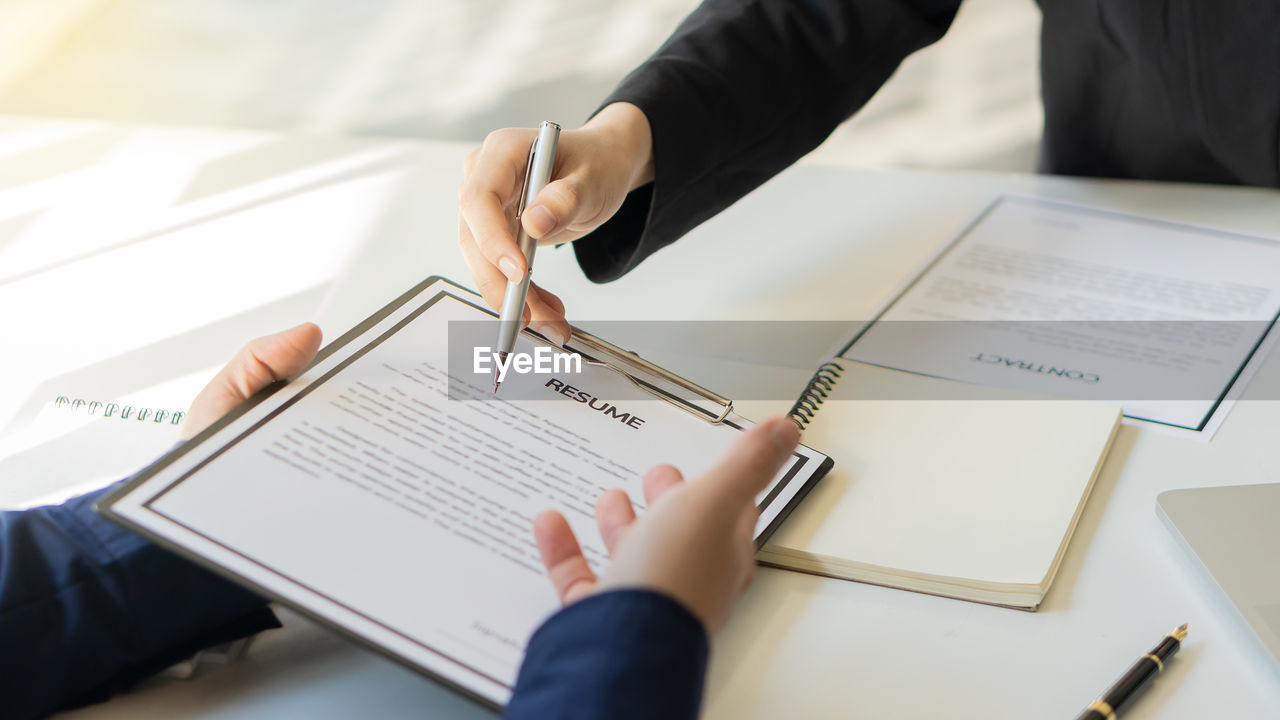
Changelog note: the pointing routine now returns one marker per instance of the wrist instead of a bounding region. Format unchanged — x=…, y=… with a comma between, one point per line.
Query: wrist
x=627, y=128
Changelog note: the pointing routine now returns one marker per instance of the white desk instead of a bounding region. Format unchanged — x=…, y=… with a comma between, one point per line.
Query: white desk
x=798, y=646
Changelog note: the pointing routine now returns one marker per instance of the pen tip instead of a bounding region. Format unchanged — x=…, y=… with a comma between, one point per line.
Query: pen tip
x=1181, y=633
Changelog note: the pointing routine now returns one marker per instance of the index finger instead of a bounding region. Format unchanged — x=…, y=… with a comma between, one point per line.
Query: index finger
x=491, y=283
x=490, y=186
x=754, y=459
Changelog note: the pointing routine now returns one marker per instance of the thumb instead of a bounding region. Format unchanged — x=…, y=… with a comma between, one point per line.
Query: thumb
x=754, y=459
x=564, y=203
x=258, y=364
x=270, y=358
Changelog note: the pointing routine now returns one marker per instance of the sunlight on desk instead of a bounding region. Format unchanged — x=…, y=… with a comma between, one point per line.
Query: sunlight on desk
x=134, y=262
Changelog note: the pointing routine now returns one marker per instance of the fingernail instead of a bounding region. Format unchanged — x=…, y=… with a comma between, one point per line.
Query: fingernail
x=785, y=433
x=510, y=269
x=548, y=331
x=539, y=221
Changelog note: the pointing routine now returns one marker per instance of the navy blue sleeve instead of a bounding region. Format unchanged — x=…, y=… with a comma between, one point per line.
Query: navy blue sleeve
x=87, y=608
x=620, y=655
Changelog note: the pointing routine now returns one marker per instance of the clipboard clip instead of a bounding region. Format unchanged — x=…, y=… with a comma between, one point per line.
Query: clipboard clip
x=694, y=399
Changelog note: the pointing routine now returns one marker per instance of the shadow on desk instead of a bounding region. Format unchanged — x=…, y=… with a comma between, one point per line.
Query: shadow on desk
x=299, y=671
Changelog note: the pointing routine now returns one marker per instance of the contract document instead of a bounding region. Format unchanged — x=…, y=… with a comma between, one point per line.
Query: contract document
x=1169, y=321
x=389, y=495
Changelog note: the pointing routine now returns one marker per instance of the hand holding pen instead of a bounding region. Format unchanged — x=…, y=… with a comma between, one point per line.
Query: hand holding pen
x=595, y=167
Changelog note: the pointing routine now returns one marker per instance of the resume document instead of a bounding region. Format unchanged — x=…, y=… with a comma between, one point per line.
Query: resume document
x=388, y=495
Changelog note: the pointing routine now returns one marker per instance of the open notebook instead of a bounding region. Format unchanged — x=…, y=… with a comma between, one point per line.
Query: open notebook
x=940, y=486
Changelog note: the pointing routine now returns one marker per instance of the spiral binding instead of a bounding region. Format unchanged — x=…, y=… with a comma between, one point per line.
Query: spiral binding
x=110, y=410
x=815, y=393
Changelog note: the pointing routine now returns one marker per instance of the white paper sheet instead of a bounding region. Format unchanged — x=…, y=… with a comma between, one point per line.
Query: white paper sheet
x=1168, y=320
x=372, y=494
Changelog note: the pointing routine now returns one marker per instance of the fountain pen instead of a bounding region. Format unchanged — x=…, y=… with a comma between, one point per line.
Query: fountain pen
x=1133, y=682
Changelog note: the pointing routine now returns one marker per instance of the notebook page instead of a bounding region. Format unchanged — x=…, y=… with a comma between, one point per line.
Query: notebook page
x=967, y=482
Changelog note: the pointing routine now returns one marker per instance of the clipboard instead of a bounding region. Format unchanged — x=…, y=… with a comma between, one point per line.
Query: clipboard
x=685, y=394
x=681, y=392
x=141, y=503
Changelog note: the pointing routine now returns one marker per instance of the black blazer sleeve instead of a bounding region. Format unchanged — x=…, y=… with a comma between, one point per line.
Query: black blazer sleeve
x=741, y=90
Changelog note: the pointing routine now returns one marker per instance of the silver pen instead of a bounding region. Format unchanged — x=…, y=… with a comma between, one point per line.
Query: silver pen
x=542, y=157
